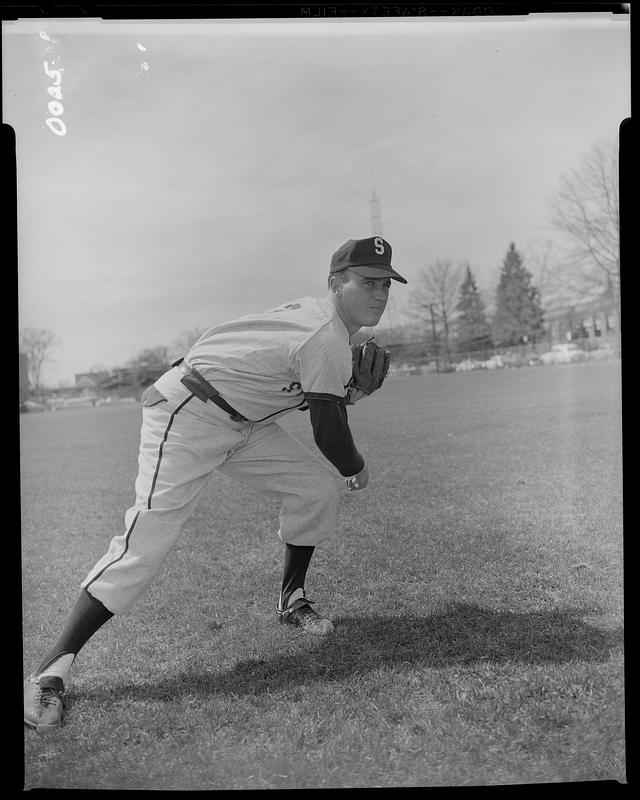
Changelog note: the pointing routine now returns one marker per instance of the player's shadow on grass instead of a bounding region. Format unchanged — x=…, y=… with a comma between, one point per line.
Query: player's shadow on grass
x=463, y=635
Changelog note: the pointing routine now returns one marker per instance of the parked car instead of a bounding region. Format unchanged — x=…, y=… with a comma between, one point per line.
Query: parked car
x=467, y=365
x=563, y=354
x=408, y=369
x=495, y=362
x=516, y=359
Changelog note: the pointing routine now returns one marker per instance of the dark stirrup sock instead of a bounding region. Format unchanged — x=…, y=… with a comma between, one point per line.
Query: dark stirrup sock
x=296, y=563
x=86, y=617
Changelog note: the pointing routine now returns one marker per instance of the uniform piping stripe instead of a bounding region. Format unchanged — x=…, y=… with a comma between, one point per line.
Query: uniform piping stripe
x=121, y=556
x=162, y=443
x=135, y=519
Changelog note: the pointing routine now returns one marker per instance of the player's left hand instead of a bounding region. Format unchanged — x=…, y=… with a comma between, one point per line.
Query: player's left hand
x=370, y=367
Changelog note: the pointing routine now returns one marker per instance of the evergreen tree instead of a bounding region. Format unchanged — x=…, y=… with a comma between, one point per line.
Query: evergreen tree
x=473, y=330
x=518, y=315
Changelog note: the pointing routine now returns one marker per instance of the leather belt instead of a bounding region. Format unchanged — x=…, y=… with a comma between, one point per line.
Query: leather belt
x=203, y=390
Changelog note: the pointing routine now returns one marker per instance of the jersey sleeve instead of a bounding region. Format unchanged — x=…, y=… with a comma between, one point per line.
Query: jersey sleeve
x=325, y=366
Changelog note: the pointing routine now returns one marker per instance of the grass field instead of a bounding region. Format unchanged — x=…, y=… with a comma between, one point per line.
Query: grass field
x=476, y=588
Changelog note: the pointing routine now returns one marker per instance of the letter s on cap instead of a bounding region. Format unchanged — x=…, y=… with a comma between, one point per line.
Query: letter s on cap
x=379, y=246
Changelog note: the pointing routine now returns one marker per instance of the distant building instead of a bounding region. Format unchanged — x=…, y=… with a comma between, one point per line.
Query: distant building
x=120, y=382
x=594, y=318
x=87, y=383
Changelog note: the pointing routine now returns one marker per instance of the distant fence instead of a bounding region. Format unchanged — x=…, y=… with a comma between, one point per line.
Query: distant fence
x=526, y=351
x=514, y=356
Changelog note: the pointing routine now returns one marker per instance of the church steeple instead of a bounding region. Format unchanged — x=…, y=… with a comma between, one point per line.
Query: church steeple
x=375, y=221
x=374, y=212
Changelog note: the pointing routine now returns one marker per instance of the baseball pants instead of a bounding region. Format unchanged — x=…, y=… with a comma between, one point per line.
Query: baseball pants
x=182, y=441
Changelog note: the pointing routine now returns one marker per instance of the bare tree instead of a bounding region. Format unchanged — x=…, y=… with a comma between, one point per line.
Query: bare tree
x=36, y=344
x=151, y=355
x=185, y=341
x=586, y=209
x=543, y=264
x=434, y=301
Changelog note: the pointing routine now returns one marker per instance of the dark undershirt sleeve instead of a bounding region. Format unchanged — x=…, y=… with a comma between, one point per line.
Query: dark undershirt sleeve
x=333, y=437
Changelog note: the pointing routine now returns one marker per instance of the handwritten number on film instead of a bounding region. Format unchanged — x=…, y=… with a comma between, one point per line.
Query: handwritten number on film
x=55, y=123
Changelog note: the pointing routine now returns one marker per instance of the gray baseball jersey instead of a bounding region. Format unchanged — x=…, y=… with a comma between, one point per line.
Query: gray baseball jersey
x=270, y=363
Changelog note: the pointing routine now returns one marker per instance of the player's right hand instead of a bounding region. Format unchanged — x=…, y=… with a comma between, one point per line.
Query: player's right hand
x=358, y=481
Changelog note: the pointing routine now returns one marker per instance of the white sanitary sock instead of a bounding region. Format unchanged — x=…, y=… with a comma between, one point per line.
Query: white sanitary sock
x=60, y=667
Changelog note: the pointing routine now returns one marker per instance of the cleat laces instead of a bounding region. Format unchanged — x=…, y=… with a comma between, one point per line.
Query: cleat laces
x=308, y=613
x=48, y=696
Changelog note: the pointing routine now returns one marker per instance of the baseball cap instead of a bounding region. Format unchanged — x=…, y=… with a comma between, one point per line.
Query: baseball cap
x=370, y=258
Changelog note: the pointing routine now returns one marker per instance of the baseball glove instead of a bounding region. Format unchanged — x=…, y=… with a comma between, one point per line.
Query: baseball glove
x=370, y=368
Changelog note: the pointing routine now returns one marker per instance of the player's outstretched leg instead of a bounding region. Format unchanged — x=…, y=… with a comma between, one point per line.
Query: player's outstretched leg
x=44, y=698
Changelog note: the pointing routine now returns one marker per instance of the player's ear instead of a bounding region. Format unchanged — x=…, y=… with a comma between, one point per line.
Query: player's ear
x=335, y=283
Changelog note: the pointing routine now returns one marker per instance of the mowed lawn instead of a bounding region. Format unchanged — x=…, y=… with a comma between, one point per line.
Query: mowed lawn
x=476, y=587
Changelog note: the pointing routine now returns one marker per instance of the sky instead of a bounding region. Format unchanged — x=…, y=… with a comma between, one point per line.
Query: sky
x=205, y=170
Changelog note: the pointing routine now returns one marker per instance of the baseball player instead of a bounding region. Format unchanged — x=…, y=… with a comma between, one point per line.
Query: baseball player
x=218, y=408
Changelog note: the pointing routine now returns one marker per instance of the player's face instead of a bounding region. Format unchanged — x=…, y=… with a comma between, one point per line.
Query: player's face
x=363, y=300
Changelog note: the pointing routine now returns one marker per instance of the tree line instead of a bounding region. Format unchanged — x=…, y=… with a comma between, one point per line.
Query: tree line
x=448, y=300
x=585, y=211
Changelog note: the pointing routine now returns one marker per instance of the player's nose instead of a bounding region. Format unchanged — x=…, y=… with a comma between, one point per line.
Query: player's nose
x=381, y=294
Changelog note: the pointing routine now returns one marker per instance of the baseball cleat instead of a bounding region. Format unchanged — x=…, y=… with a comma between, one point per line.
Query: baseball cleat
x=299, y=613
x=43, y=702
